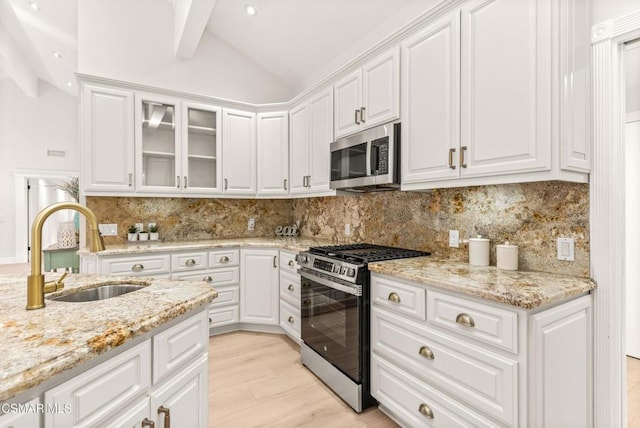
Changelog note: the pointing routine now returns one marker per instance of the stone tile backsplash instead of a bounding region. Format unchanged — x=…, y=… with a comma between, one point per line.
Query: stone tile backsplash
x=531, y=215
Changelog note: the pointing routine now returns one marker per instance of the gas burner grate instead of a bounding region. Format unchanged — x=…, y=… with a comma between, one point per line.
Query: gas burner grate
x=366, y=252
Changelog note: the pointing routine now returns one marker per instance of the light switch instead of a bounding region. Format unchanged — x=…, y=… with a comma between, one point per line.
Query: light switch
x=566, y=247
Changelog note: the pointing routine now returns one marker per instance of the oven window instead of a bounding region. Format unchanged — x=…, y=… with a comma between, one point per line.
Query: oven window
x=350, y=162
x=331, y=325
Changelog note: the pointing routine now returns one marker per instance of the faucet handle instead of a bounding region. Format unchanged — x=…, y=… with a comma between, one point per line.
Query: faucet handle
x=57, y=285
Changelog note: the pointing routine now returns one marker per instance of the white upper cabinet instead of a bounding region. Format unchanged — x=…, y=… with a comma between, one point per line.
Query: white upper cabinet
x=239, y=152
x=201, y=148
x=107, y=140
x=506, y=87
x=369, y=95
x=273, y=154
x=484, y=101
x=431, y=102
x=310, y=136
x=177, y=146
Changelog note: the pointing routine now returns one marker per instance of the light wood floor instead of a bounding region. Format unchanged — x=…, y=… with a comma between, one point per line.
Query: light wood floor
x=257, y=380
x=633, y=392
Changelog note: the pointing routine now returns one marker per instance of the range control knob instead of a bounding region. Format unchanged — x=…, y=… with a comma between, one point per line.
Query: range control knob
x=351, y=272
x=303, y=260
x=335, y=268
x=343, y=270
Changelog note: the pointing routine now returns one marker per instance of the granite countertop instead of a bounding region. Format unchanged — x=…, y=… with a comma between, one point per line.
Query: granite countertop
x=295, y=244
x=526, y=290
x=40, y=344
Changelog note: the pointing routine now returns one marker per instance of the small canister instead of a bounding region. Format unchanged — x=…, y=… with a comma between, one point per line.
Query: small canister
x=479, y=251
x=507, y=256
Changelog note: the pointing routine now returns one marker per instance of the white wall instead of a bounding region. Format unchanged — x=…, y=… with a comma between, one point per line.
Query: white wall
x=28, y=128
x=601, y=10
x=119, y=39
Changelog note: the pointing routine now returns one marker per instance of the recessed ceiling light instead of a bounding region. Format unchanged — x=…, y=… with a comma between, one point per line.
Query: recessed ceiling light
x=34, y=6
x=69, y=84
x=56, y=54
x=250, y=9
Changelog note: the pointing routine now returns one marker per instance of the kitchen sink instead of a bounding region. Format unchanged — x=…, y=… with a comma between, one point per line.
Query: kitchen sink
x=98, y=293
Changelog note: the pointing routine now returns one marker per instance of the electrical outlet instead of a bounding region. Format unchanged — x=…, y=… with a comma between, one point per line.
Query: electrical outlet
x=108, y=229
x=566, y=249
x=251, y=224
x=454, y=238
x=347, y=229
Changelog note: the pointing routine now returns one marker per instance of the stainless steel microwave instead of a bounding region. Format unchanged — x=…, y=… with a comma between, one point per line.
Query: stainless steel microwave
x=367, y=161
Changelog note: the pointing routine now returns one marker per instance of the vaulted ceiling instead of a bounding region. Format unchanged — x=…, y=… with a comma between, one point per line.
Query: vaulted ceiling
x=290, y=38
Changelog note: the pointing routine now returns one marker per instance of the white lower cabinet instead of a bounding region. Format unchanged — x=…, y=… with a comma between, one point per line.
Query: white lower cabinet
x=133, y=387
x=24, y=416
x=259, y=286
x=471, y=362
x=290, y=320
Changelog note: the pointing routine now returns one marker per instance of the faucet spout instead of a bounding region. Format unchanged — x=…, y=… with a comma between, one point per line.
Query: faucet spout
x=35, y=281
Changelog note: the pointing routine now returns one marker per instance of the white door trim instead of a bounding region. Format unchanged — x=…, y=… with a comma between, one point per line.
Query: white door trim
x=607, y=217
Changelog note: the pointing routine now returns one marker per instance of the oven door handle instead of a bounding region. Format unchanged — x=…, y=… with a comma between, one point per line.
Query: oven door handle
x=349, y=289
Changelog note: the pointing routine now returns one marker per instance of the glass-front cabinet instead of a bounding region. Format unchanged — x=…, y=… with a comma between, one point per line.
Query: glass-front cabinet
x=177, y=146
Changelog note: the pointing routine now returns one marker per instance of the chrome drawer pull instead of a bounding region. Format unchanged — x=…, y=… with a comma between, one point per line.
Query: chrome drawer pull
x=167, y=416
x=425, y=411
x=466, y=320
x=207, y=279
x=290, y=320
x=393, y=296
x=137, y=267
x=224, y=259
x=290, y=287
x=190, y=262
x=426, y=352
x=290, y=263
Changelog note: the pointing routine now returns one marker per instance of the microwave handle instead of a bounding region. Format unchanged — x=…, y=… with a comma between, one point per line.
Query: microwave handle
x=368, y=158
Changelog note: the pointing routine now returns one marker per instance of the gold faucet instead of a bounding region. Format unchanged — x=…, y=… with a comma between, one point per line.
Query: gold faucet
x=36, y=287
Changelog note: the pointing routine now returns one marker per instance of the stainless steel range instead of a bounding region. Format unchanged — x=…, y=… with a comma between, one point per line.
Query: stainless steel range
x=335, y=315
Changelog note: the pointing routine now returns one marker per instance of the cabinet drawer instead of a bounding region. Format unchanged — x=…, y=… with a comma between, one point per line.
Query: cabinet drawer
x=139, y=266
x=179, y=344
x=404, y=396
x=488, y=324
x=226, y=296
x=399, y=297
x=101, y=390
x=224, y=316
x=22, y=420
x=290, y=319
x=290, y=288
x=480, y=377
x=223, y=258
x=288, y=262
x=216, y=277
x=189, y=261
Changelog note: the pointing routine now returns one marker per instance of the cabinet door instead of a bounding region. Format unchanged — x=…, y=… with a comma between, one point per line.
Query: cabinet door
x=506, y=86
x=430, y=102
x=239, y=148
x=201, y=147
x=299, y=148
x=381, y=89
x=24, y=419
x=273, y=154
x=321, y=136
x=131, y=418
x=561, y=372
x=107, y=140
x=183, y=399
x=259, y=286
x=348, y=93
x=158, y=150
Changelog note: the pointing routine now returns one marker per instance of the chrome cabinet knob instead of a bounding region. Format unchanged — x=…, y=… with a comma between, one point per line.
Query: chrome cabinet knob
x=224, y=259
x=190, y=262
x=290, y=320
x=137, y=267
x=290, y=287
x=207, y=279
x=290, y=263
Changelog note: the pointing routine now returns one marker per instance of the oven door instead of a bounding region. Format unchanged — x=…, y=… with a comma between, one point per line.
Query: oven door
x=331, y=323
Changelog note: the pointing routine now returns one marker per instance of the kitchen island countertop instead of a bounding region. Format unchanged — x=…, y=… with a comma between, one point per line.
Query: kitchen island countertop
x=527, y=290
x=38, y=345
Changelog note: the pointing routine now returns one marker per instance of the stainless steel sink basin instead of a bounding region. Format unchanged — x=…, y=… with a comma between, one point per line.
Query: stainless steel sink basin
x=98, y=293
